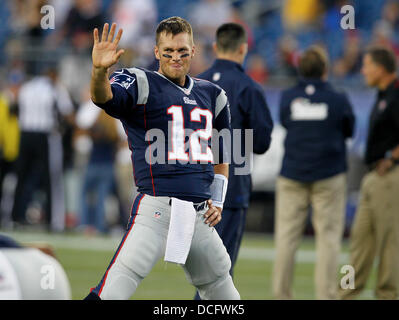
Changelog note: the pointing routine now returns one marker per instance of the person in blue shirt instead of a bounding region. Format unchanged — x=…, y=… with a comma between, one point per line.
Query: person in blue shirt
x=318, y=119
x=249, y=110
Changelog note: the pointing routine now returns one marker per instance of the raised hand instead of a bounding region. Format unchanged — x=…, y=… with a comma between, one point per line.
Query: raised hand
x=105, y=53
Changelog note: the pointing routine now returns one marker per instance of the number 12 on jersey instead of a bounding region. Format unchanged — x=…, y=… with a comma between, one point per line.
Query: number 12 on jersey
x=178, y=135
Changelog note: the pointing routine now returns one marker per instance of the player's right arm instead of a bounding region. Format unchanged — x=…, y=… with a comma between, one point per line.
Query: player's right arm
x=104, y=55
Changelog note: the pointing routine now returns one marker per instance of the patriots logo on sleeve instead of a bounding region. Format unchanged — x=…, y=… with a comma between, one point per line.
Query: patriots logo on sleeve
x=124, y=80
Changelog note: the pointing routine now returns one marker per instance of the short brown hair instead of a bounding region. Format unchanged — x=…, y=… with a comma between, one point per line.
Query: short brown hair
x=230, y=36
x=313, y=63
x=383, y=57
x=173, y=25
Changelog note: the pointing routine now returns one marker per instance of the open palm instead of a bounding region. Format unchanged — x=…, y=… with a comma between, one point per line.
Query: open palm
x=105, y=52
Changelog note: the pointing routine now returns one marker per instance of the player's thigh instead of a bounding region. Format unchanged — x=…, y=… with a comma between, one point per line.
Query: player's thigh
x=208, y=259
x=145, y=239
x=141, y=250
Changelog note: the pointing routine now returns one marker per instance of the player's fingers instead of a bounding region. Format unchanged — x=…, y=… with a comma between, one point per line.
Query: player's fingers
x=209, y=219
x=210, y=210
x=118, y=54
x=217, y=217
x=118, y=36
x=216, y=221
x=95, y=35
x=211, y=215
x=111, y=33
x=105, y=32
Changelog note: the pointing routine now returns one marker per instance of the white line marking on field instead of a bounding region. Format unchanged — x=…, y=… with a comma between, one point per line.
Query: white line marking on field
x=79, y=242
x=268, y=254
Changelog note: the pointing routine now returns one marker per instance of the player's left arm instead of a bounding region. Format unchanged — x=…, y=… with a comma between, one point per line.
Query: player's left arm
x=218, y=190
x=219, y=185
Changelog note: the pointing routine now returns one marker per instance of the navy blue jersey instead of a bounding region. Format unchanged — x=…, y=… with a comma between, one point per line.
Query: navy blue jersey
x=147, y=103
x=249, y=110
x=318, y=119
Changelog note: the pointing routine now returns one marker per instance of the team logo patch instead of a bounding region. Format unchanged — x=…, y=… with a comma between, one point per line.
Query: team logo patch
x=303, y=109
x=157, y=214
x=189, y=101
x=123, y=80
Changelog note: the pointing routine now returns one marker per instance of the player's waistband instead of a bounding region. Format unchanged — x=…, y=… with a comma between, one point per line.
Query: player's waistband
x=168, y=200
x=197, y=206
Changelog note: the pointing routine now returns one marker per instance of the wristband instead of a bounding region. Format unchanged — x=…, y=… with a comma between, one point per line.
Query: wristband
x=219, y=190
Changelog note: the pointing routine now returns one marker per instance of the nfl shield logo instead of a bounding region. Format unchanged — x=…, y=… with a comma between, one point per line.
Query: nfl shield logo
x=157, y=214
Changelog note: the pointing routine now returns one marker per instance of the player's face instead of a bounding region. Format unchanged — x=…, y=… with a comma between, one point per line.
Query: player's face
x=174, y=53
x=371, y=71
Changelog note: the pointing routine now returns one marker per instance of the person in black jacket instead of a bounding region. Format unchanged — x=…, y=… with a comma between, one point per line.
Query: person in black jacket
x=318, y=120
x=249, y=110
x=375, y=230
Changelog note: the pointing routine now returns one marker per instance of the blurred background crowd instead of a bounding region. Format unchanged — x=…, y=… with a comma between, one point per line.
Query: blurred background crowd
x=96, y=169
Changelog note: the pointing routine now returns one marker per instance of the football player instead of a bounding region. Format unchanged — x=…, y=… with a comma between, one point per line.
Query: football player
x=187, y=111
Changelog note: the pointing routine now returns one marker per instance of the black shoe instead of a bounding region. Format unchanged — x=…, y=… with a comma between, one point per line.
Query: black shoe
x=92, y=296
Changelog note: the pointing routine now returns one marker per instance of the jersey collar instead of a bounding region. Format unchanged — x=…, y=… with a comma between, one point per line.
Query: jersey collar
x=187, y=90
x=227, y=64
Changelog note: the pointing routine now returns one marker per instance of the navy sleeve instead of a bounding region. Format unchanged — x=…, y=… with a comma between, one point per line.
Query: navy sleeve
x=253, y=103
x=223, y=120
x=124, y=94
x=348, y=125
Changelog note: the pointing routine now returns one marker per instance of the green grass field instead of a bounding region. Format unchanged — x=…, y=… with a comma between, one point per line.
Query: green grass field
x=85, y=261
